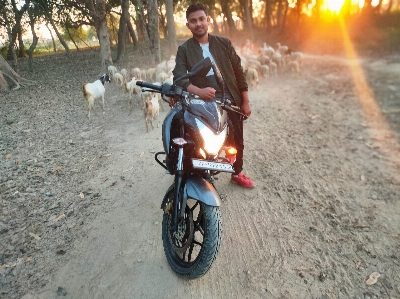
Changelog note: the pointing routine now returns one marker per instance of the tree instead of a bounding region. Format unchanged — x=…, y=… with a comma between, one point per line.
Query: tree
x=33, y=15
x=169, y=5
x=100, y=17
x=227, y=13
x=94, y=13
x=268, y=15
x=124, y=25
x=11, y=19
x=154, y=37
x=140, y=21
x=10, y=79
x=48, y=9
x=122, y=28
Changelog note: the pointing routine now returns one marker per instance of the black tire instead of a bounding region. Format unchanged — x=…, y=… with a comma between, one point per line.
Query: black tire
x=192, y=250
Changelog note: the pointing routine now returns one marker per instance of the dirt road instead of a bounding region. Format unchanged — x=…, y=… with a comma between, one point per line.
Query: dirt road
x=81, y=199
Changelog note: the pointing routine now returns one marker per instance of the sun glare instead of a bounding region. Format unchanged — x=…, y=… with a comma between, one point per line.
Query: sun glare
x=333, y=5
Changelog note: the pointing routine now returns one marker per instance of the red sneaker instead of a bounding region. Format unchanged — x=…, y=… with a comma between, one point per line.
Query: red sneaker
x=242, y=181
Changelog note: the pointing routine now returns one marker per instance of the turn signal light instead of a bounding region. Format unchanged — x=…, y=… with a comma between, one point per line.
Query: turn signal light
x=230, y=151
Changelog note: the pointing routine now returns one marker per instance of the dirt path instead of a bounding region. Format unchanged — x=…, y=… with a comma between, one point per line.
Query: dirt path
x=324, y=215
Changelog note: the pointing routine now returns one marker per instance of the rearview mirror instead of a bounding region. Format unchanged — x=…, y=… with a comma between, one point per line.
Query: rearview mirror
x=199, y=69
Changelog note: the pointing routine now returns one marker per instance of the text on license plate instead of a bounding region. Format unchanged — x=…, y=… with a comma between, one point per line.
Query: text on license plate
x=218, y=166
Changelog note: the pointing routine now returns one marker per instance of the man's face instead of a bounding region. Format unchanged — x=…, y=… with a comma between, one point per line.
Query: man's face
x=198, y=23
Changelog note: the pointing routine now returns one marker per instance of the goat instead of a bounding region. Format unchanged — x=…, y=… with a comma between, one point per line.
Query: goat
x=252, y=77
x=133, y=90
x=119, y=79
x=264, y=70
x=95, y=90
x=150, y=111
x=136, y=73
x=124, y=73
x=111, y=71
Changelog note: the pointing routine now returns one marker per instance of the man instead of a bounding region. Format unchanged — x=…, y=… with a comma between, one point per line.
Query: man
x=220, y=51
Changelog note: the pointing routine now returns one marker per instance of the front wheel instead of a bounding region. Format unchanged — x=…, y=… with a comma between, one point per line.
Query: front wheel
x=192, y=249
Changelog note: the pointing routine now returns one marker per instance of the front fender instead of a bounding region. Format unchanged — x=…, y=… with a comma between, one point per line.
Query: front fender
x=202, y=190
x=199, y=189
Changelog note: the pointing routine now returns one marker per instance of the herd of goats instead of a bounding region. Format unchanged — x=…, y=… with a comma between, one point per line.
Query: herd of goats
x=262, y=62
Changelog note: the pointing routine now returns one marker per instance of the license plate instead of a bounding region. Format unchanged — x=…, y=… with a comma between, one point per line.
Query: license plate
x=217, y=166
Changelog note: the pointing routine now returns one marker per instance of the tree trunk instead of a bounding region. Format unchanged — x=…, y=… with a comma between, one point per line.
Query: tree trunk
x=140, y=21
x=60, y=38
x=162, y=23
x=215, y=27
x=122, y=29
x=377, y=8
x=173, y=46
x=249, y=26
x=52, y=38
x=279, y=14
x=154, y=37
x=16, y=28
x=284, y=17
x=10, y=79
x=132, y=33
x=35, y=39
x=114, y=33
x=227, y=12
x=389, y=7
x=102, y=32
x=71, y=38
x=21, y=50
x=268, y=15
x=11, y=54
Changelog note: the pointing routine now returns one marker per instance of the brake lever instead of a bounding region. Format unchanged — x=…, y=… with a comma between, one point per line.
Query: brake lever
x=151, y=90
x=233, y=108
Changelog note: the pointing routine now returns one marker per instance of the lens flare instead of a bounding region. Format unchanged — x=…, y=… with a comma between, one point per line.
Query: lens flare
x=380, y=128
x=333, y=5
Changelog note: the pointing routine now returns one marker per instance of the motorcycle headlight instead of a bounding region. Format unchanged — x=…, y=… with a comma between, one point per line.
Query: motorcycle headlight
x=212, y=142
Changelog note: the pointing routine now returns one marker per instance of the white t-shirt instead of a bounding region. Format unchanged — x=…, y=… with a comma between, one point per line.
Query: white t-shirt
x=207, y=53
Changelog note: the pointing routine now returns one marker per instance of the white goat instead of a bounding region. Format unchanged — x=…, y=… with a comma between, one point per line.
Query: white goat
x=136, y=73
x=282, y=49
x=273, y=69
x=134, y=91
x=296, y=56
x=151, y=74
x=264, y=70
x=111, y=71
x=252, y=78
x=143, y=74
x=124, y=73
x=95, y=90
x=119, y=79
x=294, y=66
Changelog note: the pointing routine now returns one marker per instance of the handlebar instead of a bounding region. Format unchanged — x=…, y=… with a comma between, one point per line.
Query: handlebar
x=177, y=92
x=149, y=85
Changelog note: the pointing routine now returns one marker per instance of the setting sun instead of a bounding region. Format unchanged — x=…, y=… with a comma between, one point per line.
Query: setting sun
x=333, y=5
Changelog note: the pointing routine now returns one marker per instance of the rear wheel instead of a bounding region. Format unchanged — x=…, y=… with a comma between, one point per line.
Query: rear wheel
x=192, y=249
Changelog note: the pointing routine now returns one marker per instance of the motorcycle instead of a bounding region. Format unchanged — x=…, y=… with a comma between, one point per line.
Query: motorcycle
x=194, y=135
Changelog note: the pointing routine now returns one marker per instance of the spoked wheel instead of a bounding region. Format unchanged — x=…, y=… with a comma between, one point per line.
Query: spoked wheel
x=192, y=249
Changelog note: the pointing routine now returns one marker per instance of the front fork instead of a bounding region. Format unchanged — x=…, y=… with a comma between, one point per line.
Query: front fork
x=177, y=188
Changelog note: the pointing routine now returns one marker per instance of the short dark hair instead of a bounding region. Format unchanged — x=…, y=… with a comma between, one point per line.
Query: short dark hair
x=195, y=7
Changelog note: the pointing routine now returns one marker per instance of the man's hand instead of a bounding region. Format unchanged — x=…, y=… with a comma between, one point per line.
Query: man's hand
x=245, y=108
x=207, y=93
